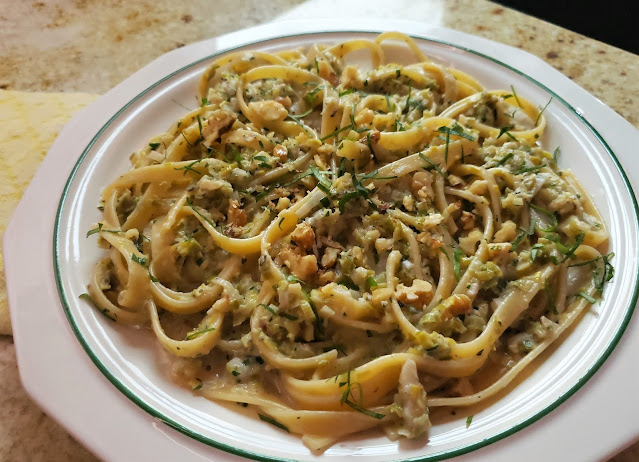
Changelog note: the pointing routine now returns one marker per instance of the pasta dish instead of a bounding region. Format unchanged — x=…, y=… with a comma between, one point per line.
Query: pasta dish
x=344, y=247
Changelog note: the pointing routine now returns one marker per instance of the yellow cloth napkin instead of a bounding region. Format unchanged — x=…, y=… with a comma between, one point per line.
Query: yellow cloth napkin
x=29, y=122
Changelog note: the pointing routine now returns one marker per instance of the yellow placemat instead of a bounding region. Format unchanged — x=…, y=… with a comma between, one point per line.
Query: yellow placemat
x=29, y=122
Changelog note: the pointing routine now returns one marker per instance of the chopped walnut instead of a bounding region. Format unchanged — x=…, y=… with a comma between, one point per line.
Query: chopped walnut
x=350, y=77
x=507, y=232
x=235, y=215
x=280, y=152
x=468, y=220
x=419, y=293
x=284, y=101
x=330, y=257
x=302, y=267
x=422, y=186
x=469, y=243
x=269, y=110
x=454, y=306
x=381, y=296
x=478, y=187
x=326, y=277
x=217, y=122
x=500, y=252
x=304, y=236
x=365, y=117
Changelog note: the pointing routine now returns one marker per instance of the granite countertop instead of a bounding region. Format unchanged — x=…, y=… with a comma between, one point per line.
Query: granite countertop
x=90, y=45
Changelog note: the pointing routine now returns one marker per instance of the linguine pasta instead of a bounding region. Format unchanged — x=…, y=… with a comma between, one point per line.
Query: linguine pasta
x=346, y=248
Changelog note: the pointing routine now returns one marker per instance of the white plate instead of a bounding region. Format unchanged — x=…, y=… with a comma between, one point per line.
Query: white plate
x=59, y=375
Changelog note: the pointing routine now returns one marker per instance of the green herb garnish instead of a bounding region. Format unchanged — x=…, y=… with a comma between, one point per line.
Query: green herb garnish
x=432, y=164
x=322, y=182
x=319, y=325
x=569, y=253
x=388, y=104
x=192, y=335
x=348, y=394
x=504, y=159
x=535, y=250
x=139, y=260
x=456, y=130
x=542, y=111
x=348, y=282
x=189, y=167
x=504, y=131
x=529, y=169
x=337, y=132
x=514, y=94
x=586, y=296
x=548, y=215
x=277, y=312
x=457, y=255
x=99, y=228
x=87, y=298
x=271, y=420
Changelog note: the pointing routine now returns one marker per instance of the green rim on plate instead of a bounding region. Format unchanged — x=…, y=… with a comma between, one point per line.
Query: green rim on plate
x=245, y=453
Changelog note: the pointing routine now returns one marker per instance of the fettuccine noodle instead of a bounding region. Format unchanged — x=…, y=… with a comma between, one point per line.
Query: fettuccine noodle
x=345, y=249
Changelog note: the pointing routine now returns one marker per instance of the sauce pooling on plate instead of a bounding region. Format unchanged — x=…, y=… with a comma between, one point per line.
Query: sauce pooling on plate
x=345, y=248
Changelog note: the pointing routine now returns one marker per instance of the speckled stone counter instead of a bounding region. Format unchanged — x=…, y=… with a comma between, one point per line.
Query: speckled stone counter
x=90, y=45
